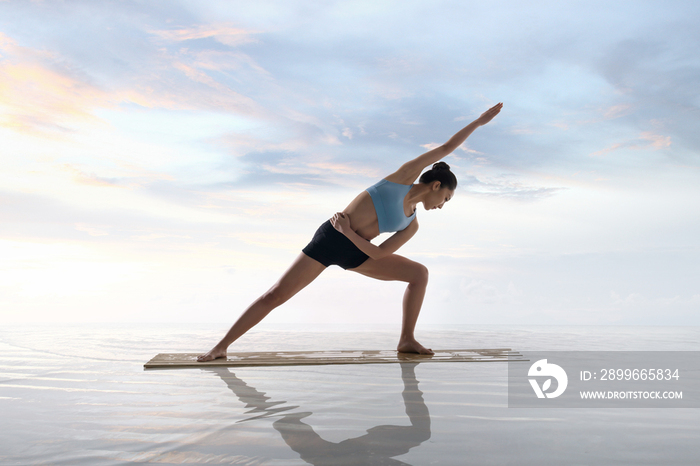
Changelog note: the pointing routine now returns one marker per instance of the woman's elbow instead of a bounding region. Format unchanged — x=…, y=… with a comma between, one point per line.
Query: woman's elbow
x=447, y=148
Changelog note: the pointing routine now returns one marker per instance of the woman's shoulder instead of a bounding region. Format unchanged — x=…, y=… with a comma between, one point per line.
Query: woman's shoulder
x=402, y=176
x=387, y=183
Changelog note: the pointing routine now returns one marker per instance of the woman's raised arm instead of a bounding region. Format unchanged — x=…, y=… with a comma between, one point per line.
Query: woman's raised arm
x=411, y=170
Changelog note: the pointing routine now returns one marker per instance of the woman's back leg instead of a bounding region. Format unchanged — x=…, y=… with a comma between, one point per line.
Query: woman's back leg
x=303, y=271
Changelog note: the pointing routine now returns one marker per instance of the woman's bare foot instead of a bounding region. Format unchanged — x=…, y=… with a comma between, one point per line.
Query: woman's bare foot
x=412, y=346
x=215, y=353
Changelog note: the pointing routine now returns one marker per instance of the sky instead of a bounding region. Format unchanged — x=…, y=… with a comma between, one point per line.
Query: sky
x=167, y=161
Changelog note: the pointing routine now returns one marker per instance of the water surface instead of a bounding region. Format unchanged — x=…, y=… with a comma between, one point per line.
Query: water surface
x=78, y=394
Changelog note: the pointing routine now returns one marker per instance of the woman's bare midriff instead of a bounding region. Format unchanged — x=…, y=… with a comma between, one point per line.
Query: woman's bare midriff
x=363, y=217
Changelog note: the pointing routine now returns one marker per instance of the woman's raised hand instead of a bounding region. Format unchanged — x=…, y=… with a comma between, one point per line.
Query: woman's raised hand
x=341, y=222
x=489, y=114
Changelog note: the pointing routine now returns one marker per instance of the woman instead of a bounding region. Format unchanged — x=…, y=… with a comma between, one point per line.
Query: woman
x=344, y=240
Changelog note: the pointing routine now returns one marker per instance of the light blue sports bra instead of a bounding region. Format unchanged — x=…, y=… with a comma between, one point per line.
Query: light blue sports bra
x=387, y=198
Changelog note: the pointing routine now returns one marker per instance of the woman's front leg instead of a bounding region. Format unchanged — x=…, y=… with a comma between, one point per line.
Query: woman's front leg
x=399, y=268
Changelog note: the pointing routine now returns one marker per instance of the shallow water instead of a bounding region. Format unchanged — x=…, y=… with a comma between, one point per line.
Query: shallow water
x=79, y=395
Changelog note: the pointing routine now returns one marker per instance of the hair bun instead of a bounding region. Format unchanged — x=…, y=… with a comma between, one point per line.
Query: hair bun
x=440, y=172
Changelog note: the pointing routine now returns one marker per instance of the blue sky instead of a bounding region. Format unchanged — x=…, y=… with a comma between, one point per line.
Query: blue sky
x=166, y=161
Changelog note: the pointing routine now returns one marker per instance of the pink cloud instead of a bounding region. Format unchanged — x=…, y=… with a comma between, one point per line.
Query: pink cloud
x=646, y=140
x=35, y=96
x=225, y=34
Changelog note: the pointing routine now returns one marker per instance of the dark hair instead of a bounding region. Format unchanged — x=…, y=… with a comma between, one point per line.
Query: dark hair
x=440, y=172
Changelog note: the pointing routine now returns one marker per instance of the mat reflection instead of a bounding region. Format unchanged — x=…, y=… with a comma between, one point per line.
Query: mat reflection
x=377, y=447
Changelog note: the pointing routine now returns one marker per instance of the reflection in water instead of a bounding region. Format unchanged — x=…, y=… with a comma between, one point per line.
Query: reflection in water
x=377, y=447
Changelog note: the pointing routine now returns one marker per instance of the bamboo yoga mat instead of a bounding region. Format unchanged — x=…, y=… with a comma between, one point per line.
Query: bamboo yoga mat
x=307, y=358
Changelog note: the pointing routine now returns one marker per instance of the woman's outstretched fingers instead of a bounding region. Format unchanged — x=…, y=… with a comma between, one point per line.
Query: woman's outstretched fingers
x=495, y=109
x=490, y=113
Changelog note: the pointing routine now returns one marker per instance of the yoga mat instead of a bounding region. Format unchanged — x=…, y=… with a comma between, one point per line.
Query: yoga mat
x=307, y=358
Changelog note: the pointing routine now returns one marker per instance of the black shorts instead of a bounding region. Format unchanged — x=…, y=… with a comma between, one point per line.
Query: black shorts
x=331, y=247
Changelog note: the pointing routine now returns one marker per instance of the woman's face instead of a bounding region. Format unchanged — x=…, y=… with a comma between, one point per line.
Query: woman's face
x=437, y=198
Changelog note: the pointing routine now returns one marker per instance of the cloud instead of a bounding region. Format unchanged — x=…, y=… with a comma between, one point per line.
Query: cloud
x=223, y=33
x=277, y=240
x=37, y=96
x=656, y=141
x=280, y=168
x=302, y=158
x=482, y=291
x=45, y=93
x=504, y=187
x=91, y=230
x=647, y=140
x=657, y=76
x=90, y=179
x=214, y=94
x=617, y=111
x=158, y=236
x=228, y=60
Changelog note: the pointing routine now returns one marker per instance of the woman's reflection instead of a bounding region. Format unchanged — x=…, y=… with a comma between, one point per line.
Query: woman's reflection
x=377, y=447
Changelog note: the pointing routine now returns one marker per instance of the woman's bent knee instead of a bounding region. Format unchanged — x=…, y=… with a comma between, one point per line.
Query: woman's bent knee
x=420, y=274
